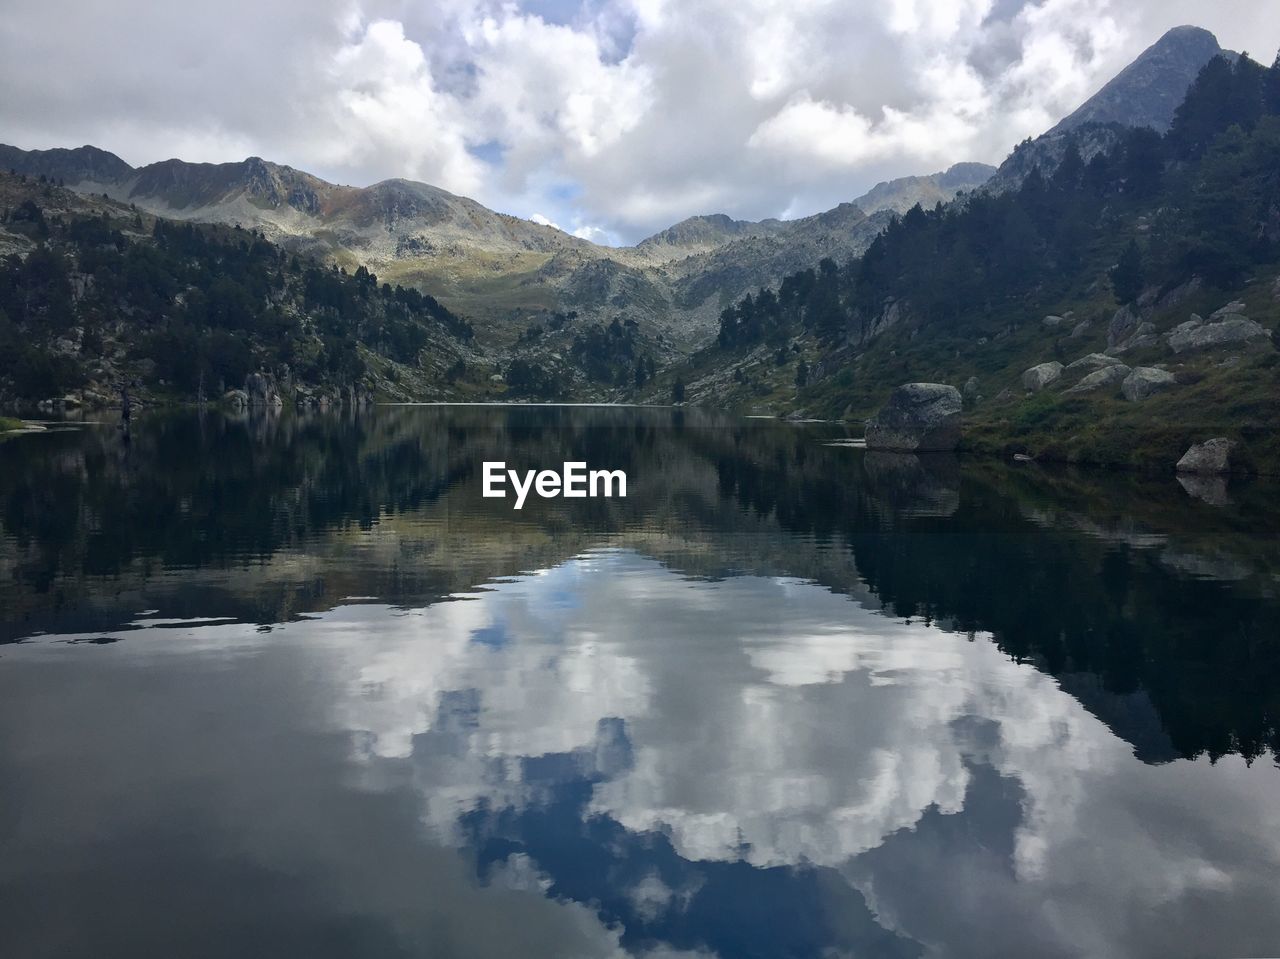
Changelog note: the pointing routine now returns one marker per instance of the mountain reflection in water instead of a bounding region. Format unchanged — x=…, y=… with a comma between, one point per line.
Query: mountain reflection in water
x=292, y=685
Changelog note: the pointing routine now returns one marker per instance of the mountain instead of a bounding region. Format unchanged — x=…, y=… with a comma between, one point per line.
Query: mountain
x=503, y=271
x=1146, y=93
x=697, y=234
x=1149, y=90
x=900, y=195
x=98, y=297
x=1118, y=308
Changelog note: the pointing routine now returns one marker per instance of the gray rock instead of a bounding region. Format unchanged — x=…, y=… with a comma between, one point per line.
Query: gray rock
x=1234, y=308
x=1041, y=375
x=1178, y=294
x=1195, y=334
x=1123, y=323
x=1211, y=456
x=236, y=399
x=971, y=388
x=1140, y=342
x=1081, y=329
x=1145, y=380
x=1144, y=334
x=1108, y=376
x=1052, y=322
x=919, y=417
x=1091, y=362
x=262, y=392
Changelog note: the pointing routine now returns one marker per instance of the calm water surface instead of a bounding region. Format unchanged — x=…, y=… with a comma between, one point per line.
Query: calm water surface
x=291, y=687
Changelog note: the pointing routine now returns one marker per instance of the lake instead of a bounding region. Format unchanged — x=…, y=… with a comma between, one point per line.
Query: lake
x=293, y=687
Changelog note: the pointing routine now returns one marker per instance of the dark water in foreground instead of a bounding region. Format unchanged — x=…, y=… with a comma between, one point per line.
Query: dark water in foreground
x=293, y=688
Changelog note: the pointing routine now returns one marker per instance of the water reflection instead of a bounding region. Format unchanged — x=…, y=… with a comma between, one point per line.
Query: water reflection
x=784, y=700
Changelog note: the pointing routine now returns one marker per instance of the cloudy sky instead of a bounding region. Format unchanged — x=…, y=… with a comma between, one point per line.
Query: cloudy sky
x=610, y=118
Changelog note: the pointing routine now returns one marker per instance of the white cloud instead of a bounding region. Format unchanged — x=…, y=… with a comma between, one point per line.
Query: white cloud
x=652, y=111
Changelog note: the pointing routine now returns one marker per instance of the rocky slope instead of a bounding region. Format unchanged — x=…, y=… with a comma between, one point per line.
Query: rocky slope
x=1148, y=91
x=900, y=195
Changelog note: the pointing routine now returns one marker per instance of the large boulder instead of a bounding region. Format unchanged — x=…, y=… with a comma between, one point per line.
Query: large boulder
x=1123, y=323
x=1041, y=375
x=1105, y=378
x=262, y=391
x=1144, y=334
x=1222, y=329
x=919, y=418
x=1091, y=362
x=1142, y=381
x=1211, y=456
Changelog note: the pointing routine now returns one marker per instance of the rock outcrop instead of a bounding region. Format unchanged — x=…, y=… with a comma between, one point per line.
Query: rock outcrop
x=1144, y=334
x=919, y=418
x=1091, y=362
x=236, y=400
x=1208, y=458
x=1122, y=325
x=1108, y=376
x=262, y=391
x=1143, y=381
x=1224, y=328
x=1042, y=375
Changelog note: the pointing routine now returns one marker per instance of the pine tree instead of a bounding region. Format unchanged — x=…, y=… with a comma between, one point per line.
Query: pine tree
x=1127, y=275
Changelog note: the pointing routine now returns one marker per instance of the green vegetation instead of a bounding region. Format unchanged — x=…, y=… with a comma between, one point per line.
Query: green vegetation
x=8, y=424
x=188, y=311
x=1160, y=224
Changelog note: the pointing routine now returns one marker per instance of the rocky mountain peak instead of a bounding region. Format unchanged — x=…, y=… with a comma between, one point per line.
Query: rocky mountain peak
x=1149, y=90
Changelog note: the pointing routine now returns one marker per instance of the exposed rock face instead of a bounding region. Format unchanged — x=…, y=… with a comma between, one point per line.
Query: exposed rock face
x=1123, y=324
x=1091, y=362
x=900, y=195
x=1235, y=307
x=1222, y=329
x=1052, y=322
x=1210, y=457
x=1081, y=329
x=1145, y=380
x=1144, y=334
x=919, y=418
x=1148, y=91
x=1041, y=375
x=236, y=399
x=1108, y=376
x=262, y=392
